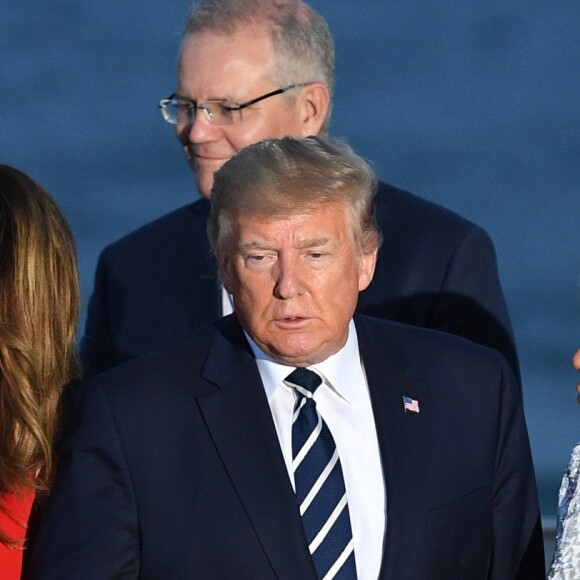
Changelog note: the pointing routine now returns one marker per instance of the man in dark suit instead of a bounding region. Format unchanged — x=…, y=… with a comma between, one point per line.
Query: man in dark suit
x=291, y=440
x=156, y=285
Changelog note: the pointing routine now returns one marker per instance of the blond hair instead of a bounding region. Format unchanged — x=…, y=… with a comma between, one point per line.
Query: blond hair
x=279, y=177
x=39, y=309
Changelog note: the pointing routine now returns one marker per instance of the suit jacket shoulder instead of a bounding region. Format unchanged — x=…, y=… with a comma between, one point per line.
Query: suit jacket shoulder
x=152, y=288
x=406, y=206
x=160, y=234
x=418, y=351
x=438, y=270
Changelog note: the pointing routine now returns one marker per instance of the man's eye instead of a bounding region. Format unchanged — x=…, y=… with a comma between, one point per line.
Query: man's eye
x=182, y=106
x=182, y=111
x=258, y=259
x=228, y=111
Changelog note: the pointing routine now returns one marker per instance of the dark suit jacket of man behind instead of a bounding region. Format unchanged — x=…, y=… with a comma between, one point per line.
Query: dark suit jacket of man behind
x=435, y=269
x=174, y=468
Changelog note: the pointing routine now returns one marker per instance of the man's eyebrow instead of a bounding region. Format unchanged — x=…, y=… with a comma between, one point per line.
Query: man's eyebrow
x=177, y=95
x=313, y=243
x=245, y=246
x=302, y=245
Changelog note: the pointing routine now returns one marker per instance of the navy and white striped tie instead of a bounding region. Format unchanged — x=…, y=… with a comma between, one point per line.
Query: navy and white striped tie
x=320, y=484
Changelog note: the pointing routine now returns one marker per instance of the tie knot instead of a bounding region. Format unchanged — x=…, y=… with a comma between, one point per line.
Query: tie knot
x=304, y=378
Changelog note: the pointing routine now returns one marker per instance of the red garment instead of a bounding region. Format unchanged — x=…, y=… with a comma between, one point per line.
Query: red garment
x=19, y=507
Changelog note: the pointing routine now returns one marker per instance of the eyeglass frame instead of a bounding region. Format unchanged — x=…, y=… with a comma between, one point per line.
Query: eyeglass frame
x=163, y=103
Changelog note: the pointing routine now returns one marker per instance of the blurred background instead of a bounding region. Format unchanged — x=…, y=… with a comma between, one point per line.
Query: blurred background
x=470, y=104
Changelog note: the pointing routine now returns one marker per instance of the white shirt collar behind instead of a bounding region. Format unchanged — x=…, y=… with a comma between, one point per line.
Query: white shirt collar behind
x=337, y=371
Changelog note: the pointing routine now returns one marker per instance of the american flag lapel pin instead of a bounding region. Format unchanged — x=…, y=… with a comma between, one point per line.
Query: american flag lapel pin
x=411, y=405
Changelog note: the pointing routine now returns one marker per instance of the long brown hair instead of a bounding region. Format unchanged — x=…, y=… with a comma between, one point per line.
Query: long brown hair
x=39, y=309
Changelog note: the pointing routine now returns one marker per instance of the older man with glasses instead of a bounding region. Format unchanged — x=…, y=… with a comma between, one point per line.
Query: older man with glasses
x=250, y=70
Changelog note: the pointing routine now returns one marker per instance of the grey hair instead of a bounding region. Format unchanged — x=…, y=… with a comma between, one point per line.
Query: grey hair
x=279, y=177
x=303, y=45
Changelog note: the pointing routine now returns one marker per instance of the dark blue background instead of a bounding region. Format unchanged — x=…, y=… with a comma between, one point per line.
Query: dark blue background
x=471, y=104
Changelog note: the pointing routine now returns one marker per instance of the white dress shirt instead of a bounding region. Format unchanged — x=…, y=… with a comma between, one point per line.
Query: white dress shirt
x=343, y=401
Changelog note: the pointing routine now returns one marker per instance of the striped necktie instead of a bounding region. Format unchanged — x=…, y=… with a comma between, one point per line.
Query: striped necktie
x=319, y=484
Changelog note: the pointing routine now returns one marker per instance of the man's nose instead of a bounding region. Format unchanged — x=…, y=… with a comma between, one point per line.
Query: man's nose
x=289, y=279
x=200, y=131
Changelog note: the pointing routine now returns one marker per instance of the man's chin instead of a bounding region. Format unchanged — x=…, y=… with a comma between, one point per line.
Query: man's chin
x=204, y=186
x=203, y=178
x=299, y=356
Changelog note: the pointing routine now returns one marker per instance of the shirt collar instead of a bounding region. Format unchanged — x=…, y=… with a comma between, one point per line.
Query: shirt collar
x=341, y=371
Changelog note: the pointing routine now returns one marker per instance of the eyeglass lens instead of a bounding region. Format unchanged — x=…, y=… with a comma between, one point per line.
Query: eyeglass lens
x=180, y=112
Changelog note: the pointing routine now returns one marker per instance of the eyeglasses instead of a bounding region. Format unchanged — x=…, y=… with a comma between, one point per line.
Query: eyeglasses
x=179, y=111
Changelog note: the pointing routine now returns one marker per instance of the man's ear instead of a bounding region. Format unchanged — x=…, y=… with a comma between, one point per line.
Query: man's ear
x=314, y=103
x=368, y=263
x=225, y=273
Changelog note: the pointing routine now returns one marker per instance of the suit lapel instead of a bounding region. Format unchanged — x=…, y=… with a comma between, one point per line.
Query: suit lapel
x=240, y=422
x=404, y=444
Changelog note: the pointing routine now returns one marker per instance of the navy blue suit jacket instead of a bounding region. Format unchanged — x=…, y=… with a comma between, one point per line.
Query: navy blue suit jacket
x=435, y=269
x=173, y=467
